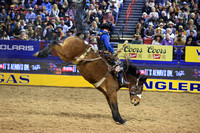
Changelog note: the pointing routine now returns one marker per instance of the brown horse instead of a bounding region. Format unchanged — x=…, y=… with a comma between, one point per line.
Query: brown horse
x=97, y=71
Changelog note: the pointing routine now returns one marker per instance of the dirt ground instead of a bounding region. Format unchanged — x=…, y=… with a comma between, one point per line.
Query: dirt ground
x=33, y=109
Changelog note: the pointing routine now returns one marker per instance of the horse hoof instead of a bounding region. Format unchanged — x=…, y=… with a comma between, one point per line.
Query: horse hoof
x=36, y=54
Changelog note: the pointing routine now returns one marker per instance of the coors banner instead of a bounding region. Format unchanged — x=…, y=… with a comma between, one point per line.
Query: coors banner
x=147, y=52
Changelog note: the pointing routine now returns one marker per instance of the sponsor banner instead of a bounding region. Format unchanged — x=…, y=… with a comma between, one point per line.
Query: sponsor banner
x=61, y=68
x=192, y=54
x=172, y=85
x=18, y=48
x=37, y=67
x=43, y=80
x=171, y=72
x=146, y=52
x=79, y=81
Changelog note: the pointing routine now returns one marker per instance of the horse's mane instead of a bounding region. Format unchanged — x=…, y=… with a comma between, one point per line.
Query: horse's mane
x=131, y=69
x=80, y=18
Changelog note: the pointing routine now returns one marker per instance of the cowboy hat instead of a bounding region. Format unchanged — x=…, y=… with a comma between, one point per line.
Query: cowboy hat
x=170, y=22
x=106, y=26
x=107, y=11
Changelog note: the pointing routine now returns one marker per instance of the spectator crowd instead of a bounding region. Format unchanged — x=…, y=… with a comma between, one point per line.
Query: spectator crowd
x=53, y=19
x=169, y=22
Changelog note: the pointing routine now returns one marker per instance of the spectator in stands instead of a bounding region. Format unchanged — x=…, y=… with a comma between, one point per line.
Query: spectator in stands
x=113, y=4
x=30, y=16
x=191, y=29
x=65, y=5
x=97, y=21
x=149, y=32
x=11, y=13
x=57, y=2
x=29, y=4
x=94, y=28
x=55, y=11
x=170, y=25
x=157, y=40
x=167, y=41
x=180, y=33
x=30, y=32
x=179, y=42
x=21, y=14
x=164, y=16
x=191, y=41
x=61, y=13
x=5, y=36
x=108, y=15
x=54, y=35
x=38, y=33
x=137, y=39
x=154, y=13
x=8, y=20
x=44, y=11
x=171, y=35
x=3, y=15
x=71, y=11
x=139, y=29
x=158, y=31
x=151, y=3
x=191, y=23
x=47, y=33
x=183, y=13
x=57, y=20
x=38, y=20
x=163, y=31
x=146, y=8
x=65, y=28
x=100, y=16
x=16, y=31
x=114, y=13
x=145, y=17
x=47, y=5
x=23, y=35
x=67, y=21
x=185, y=5
x=181, y=22
x=173, y=18
x=60, y=33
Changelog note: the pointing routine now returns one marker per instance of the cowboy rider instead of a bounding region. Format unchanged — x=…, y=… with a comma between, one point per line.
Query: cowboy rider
x=105, y=46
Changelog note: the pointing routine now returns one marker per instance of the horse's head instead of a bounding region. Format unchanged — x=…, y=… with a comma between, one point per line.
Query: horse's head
x=136, y=82
x=136, y=90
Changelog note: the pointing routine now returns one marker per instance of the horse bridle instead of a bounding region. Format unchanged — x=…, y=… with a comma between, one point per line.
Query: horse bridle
x=135, y=88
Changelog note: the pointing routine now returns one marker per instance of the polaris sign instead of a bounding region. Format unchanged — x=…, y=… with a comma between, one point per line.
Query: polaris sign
x=18, y=48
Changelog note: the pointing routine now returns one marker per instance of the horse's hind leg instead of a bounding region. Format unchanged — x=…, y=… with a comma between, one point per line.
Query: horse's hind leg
x=112, y=101
x=46, y=51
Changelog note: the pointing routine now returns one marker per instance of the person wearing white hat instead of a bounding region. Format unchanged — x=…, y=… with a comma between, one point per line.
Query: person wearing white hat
x=108, y=15
x=30, y=16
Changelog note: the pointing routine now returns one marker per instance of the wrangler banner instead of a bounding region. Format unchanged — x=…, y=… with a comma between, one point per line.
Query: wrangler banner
x=146, y=52
x=192, y=54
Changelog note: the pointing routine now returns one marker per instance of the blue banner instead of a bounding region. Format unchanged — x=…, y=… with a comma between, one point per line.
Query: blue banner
x=18, y=49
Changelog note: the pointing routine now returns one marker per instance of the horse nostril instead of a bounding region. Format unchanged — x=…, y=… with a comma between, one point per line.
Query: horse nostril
x=137, y=104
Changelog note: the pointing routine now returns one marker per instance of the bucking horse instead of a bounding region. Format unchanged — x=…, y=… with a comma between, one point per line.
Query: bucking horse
x=97, y=71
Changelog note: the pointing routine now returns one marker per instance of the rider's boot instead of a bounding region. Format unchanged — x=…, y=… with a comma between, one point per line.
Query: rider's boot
x=122, y=80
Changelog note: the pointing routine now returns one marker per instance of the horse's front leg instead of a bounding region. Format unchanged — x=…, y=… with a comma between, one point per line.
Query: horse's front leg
x=112, y=101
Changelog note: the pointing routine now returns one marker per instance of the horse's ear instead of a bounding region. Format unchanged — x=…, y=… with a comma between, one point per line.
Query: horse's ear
x=143, y=79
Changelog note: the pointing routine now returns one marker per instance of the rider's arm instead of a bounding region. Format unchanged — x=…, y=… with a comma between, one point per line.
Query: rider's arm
x=105, y=39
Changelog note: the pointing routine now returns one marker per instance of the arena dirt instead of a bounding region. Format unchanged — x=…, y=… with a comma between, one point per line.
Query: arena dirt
x=29, y=109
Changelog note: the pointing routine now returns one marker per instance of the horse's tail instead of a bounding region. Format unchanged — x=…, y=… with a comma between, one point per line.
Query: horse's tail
x=46, y=51
x=80, y=18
